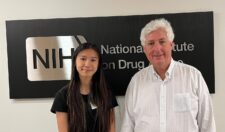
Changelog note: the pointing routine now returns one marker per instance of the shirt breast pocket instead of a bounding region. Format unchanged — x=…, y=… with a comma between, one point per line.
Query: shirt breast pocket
x=144, y=125
x=182, y=102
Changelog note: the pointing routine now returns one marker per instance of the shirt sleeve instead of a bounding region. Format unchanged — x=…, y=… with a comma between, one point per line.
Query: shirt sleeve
x=114, y=101
x=128, y=121
x=205, y=116
x=60, y=102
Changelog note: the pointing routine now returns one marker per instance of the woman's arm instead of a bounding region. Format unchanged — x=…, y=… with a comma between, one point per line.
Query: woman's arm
x=112, y=121
x=62, y=121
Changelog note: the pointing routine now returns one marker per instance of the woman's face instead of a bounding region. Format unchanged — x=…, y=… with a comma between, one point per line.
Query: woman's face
x=87, y=62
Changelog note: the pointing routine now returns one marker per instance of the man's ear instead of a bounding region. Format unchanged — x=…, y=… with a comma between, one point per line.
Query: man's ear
x=144, y=49
x=172, y=44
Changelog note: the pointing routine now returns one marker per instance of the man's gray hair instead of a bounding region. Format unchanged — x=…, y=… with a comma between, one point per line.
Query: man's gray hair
x=154, y=25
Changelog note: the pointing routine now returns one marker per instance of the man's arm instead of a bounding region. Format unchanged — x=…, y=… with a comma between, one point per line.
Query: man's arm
x=205, y=116
x=127, y=121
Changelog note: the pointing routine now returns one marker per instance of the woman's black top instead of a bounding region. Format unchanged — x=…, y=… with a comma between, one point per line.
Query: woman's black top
x=60, y=105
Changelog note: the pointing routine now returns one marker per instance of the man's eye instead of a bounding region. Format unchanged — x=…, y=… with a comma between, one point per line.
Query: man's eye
x=150, y=43
x=162, y=42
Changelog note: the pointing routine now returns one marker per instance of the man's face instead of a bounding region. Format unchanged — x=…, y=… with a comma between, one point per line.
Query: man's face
x=158, y=48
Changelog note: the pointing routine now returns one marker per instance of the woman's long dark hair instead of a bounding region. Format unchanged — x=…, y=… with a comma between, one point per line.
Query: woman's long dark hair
x=100, y=96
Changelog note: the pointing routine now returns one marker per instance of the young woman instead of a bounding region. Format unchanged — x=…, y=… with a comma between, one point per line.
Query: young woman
x=86, y=103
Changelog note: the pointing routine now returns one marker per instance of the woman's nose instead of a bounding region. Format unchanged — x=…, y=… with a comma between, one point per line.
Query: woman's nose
x=87, y=63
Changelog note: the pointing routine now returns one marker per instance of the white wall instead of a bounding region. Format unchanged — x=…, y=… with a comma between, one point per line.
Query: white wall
x=33, y=115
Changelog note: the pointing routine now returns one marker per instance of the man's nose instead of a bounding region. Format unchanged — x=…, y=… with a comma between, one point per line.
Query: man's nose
x=157, y=46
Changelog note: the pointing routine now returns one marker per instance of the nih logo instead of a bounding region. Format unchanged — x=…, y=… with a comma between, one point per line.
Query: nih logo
x=49, y=58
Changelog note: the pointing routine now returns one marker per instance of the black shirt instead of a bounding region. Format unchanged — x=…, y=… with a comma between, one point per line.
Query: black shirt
x=60, y=105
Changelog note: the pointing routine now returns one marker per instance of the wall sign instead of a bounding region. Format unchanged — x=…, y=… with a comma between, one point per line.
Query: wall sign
x=40, y=50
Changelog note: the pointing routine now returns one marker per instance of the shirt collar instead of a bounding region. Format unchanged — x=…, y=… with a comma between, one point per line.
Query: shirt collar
x=168, y=72
x=170, y=69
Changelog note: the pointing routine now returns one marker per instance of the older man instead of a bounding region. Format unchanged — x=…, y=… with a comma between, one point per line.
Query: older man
x=166, y=96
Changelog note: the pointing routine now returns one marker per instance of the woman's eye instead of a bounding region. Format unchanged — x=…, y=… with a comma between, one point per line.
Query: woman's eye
x=93, y=60
x=83, y=59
